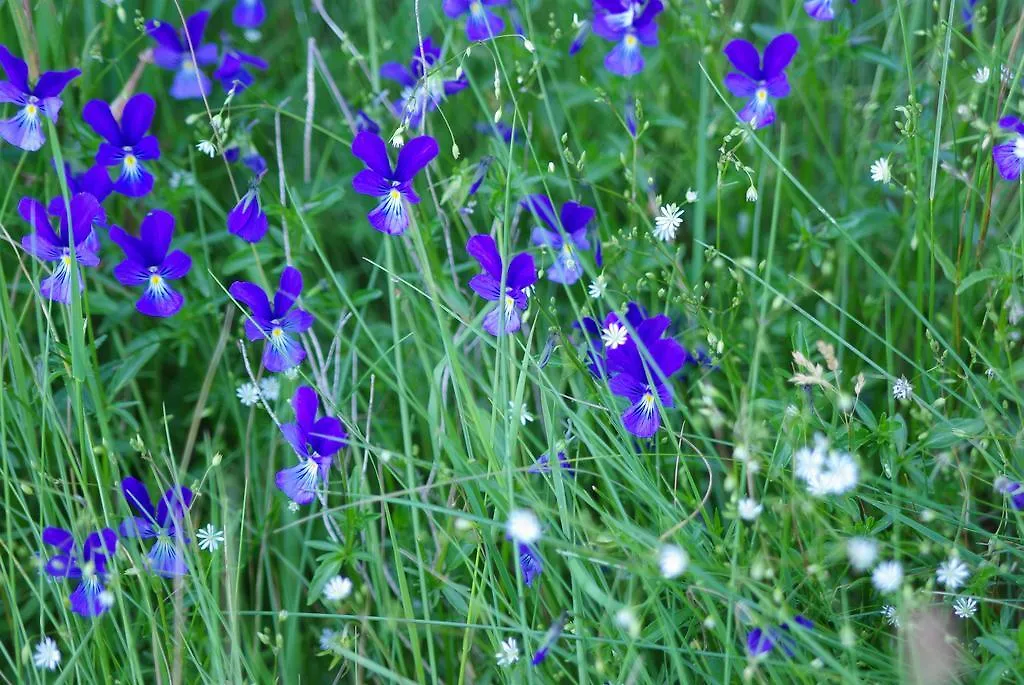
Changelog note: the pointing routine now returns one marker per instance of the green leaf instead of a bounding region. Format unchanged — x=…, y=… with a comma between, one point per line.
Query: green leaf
x=976, y=277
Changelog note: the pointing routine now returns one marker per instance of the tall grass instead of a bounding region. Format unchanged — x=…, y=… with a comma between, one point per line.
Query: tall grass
x=917, y=278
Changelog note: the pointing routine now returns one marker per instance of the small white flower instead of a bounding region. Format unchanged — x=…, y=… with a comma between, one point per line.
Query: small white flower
x=270, y=388
x=207, y=148
x=328, y=639
x=668, y=222
x=887, y=576
x=337, y=588
x=509, y=652
x=902, y=389
x=293, y=506
x=862, y=553
x=614, y=336
x=210, y=538
x=598, y=287
x=838, y=475
x=248, y=394
x=965, y=607
x=982, y=75
x=751, y=194
x=691, y=196
x=880, y=171
x=398, y=139
x=626, y=619
x=1005, y=75
x=522, y=527
x=672, y=561
x=47, y=655
x=953, y=574
x=749, y=508
x=106, y=599
x=528, y=45
x=891, y=616
x=525, y=417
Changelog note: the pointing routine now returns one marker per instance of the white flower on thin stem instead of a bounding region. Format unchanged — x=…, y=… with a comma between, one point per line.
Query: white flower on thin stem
x=598, y=287
x=953, y=574
x=672, y=561
x=749, y=509
x=691, y=195
x=522, y=527
x=902, y=389
x=210, y=538
x=751, y=193
x=862, y=553
x=668, y=222
x=965, y=607
x=525, y=417
x=880, y=171
x=207, y=148
x=982, y=75
x=248, y=394
x=337, y=588
x=270, y=388
x=626, y=619
x=891, y=616
x=887, y=576
x=614, y=336
x=293, y=506
x=47, y=655
x=508, y=654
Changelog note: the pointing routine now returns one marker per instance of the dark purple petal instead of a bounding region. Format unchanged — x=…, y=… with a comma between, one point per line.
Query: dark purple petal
x=297, y=321
x=304, y=404
x=454, y=8
x=483, y=249
x=155, y=235
x=759, y=642
x=148, y=148
x=625, y=59
x=288, y=290
x=85, y=600
x=744, y=56
x=542, y=208
x=370, y=148
x=530, y=564
x=778, y=87
x=130, y=245
x=576, y=216
x=394, y=71
x=542, y=236
x=59, y=538
x=15, y=68
x=580, y=39
x=137, y=117
x=522, y=272
x=173, y=505
x=282, y=353
x=1006, y=160
x=739, y=84
x=248, y=14
x=300, y=482
x=103, y=541
x=247, y=219
x=195, y=26
x=137, y=496
x=190, y=84
x=84, y=210
x=778, y=55
x=486, y=287
x=176, y=265
x=11, y=93
x=327, y=436
x=131, y=273
x=484, y=25
x=33, y=212
x=97, y=114
x=134, y=180
x=52, y=83
x=166, y=37
x=59, y=565
x=415, y=155
x=369, y=182
x=252, y=296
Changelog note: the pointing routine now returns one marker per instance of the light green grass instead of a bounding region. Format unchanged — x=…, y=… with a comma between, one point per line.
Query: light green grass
x=896, y=278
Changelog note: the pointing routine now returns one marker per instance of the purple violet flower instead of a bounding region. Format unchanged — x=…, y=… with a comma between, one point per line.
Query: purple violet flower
x=641, y=378
x=543, y=464
x=25, y=128
x=279, y=325
x=422, y=89
x=630, y=23
x=247, y=219
x=582, y=33
x=762, y=80
x=392, y=185
x=821, y=10
x=248, y=14
x=566, y=236
x=315, y=441
x=967, y=13
x=48, y=246
x=761, y=641
x=521, y=274
x=480, y=173
x=596, y=362
x=233, y=71
x=127, y=146
x=90, y=568
x=1013, y=489
x=174, y=52
x=1009, y=156
x=148, y=263
x=481, y=24
x=554, y=632
x=365, y=123
x=165, y=522
x=530, y=564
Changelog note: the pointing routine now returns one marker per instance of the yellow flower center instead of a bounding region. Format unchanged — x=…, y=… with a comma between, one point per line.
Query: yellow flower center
x=631, y=41
x=130, y=161
x=31, y=110
x=762, y=94
x=395, y=195
x=277, y=332
x=475, y=7
x=647, y=402
x=66, y=260
x=155, y=280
